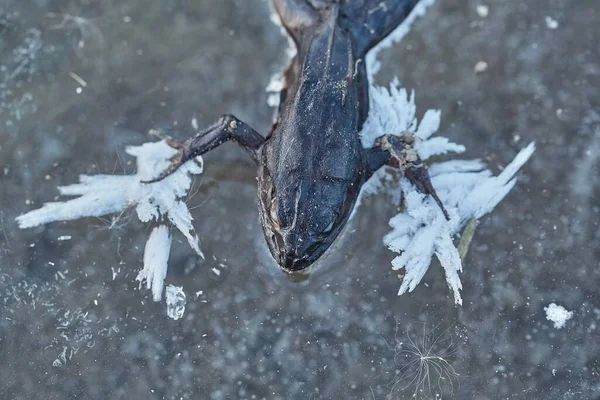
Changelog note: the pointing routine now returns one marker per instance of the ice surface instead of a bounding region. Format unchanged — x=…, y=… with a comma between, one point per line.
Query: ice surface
x=105, y=194
x=373, y=65
x=557, y=314
x=175, y=302
x=482, y=10
x=467, y=189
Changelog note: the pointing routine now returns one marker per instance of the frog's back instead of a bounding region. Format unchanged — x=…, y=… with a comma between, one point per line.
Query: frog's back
x=311, y=167
x=321, y=116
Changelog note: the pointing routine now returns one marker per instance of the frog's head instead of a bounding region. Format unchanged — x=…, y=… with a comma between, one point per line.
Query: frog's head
x=301, y=218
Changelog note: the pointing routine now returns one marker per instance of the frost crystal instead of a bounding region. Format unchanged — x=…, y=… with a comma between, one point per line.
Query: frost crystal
x=156, y=257
x=105, y=194
x=467, y=189
x=175, y=302
x=557, y=314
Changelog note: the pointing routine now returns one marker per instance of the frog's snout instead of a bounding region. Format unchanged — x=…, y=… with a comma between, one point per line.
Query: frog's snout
x=292, y=252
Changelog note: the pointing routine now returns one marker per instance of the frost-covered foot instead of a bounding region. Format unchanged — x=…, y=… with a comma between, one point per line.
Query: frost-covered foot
x=465, y=188
x=182, y=155
x=160, y=201
x=406, y=158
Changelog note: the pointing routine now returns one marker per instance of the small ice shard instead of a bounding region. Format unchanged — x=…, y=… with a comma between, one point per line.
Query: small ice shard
x=551, y=23
x=175, y=302
x=480, y=67
x=274, y=89
x=558, y=315
x=482, y=10
x=467, y=189
x=157, y=201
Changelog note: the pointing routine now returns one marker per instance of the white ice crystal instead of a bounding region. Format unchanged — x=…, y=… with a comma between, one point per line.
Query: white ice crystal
x=467, y=189
x=105, y=194
x=558, y=315
x=156, y=258
x=175, y=302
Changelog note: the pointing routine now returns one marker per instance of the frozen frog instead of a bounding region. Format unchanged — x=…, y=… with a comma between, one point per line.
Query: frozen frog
x=311, y=165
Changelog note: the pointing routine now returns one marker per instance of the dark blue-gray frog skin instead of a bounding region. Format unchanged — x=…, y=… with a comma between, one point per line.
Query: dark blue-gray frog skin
x=311, y=165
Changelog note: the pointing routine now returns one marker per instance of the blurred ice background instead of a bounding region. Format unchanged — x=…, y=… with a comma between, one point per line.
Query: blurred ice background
x=81, y=80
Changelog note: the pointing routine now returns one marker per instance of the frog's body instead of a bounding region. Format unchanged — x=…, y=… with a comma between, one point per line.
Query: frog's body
x=312, y=164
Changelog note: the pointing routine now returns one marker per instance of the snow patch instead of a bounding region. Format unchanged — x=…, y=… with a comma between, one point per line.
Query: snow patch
x=558, y=315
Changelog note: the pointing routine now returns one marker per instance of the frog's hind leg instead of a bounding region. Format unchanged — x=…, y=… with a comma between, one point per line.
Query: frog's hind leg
x=227, y=128
x=398, y=152
x=370, y=21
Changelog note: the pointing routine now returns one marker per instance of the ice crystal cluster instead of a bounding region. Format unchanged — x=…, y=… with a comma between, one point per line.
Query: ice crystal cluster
x=467, y=189
x=558, y=315
x=159, y=201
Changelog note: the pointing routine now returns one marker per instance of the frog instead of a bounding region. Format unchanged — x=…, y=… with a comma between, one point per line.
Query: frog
x=311, y=165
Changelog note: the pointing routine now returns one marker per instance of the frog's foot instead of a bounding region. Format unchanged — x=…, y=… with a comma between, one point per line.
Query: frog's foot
x=180, y=158
x=417, y=174
x=227, y=128
x=398, y=152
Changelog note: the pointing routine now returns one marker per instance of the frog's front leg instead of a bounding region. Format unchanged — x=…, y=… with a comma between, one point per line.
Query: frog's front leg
x=398, y=152
x=227, y=128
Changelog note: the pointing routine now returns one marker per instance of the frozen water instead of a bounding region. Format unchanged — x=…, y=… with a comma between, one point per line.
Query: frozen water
x=551, y=23
x=466, y=188
x=104, y=194
x=558, y=315
x=254, y=333
x=175, y=302
x=156, y=258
